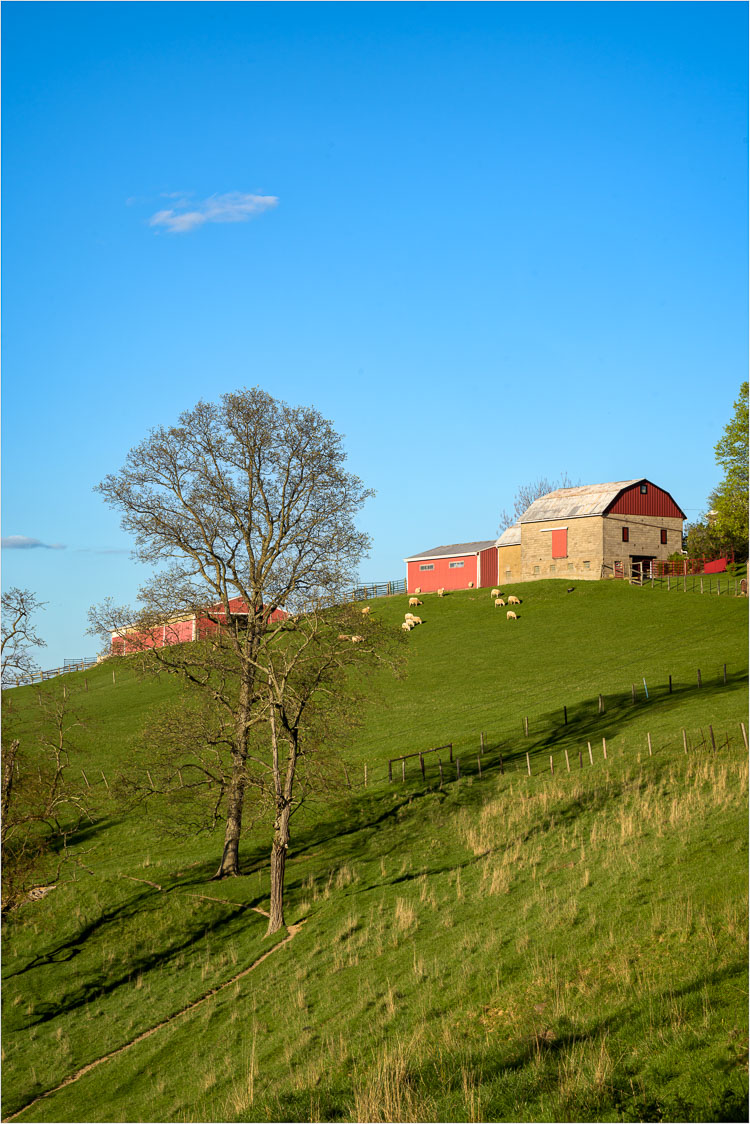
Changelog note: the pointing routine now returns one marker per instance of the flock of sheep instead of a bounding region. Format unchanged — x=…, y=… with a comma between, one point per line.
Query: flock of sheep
x=411, y=621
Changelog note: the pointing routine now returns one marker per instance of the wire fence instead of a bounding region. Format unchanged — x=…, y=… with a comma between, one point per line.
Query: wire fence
x=717, y=585
x=49, y=673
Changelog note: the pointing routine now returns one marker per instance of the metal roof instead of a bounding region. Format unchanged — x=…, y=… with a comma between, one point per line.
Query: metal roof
x=511, y=536
x=453, y=551
x=575, y=503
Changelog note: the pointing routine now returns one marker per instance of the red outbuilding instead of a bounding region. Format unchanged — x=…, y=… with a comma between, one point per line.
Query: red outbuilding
x=460, y=566
x=179, y=630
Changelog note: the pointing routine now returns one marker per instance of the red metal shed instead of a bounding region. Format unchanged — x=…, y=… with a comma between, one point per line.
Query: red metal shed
x=453, y=567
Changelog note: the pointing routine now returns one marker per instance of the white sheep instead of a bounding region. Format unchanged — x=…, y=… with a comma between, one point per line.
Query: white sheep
x=513, y=600
x=441, y=593
x=344, y=636
x=418, y=589
x=408, y=626
x=358, y=639
x=414, y=601
x=495, y=593
x=471, y=585
x=365, y=610
x=498, y=602
x=416, y=620
x=511, y=615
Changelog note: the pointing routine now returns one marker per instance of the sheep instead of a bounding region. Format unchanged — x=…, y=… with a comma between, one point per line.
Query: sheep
x=513, y=600
x=416, y=620
x=414, y=601
x=365, y=610
x=498, y=602
x=344, y=636
x=408, y=616
x=471, y=585
x=408, y=626
x=441, y=592
x=495, y=593
x=358, y=639
x=511, y=615
x=418, y=589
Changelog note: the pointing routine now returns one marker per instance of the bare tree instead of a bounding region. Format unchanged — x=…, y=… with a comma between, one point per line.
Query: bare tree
x=243, y=500
x=43, y=802
x=526, y=495
x=18, y=635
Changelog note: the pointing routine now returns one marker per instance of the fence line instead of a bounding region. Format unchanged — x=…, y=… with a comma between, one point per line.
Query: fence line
x=378, y=589
x=51, y=673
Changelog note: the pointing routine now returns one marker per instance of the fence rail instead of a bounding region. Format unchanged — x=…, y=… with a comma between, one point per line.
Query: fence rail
x=378, y=589
x=50, y=673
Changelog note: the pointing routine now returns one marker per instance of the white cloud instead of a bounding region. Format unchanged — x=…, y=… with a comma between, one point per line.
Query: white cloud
x=233, y=206
x=23, y=542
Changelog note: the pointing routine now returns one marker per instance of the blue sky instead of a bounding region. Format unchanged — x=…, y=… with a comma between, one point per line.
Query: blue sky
x=490, y=241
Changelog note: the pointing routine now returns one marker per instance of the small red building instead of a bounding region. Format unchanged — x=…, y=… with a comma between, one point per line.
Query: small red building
x=181, y=629
x=460, y=566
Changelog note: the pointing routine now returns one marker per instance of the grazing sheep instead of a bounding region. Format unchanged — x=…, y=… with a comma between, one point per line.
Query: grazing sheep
x=408, y=626
x=513, y=600
x=344, y=636
x=441, y=592
x=495, y=593
x=416, y=620
x=418, y=589
x=471, y=585
x=365, y=610
x=408, y=616
x=498, y=602
x=511, y=615
x=358, y=639
x=414, y=601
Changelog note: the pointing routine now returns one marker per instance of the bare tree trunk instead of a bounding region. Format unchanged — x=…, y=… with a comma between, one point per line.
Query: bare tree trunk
x=230, y=859
x=278, y=870
x=9, y=764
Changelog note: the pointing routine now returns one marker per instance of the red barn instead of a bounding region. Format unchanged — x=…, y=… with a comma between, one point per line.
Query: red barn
x=178, y=630
x=460, y=566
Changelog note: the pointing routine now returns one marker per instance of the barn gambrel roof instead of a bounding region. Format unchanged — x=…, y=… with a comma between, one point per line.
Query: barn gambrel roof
x=576, y=503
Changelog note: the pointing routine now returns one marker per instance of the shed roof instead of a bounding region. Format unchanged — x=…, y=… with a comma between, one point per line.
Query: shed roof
x=511, y=536
x=576, y=503
x=455, y=551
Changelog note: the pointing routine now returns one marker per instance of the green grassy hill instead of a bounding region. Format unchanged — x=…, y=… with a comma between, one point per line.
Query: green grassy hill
x=567, y=946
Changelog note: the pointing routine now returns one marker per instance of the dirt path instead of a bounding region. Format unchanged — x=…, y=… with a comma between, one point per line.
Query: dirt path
x=292, y=931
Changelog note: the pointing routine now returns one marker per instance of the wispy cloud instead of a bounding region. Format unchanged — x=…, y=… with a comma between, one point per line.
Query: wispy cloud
x=233, y=206
x=23, y=542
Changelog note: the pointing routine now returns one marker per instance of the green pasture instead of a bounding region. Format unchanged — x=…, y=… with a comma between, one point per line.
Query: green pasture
x=506, y=947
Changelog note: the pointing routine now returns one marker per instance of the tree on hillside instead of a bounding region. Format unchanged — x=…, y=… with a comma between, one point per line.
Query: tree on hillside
x=18, y=635
x=526, y=495
x=729, y=500
x=245, y=498
x=44, y=801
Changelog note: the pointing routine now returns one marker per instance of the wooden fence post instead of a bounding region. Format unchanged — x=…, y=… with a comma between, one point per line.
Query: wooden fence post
x=580, y=758
x=551, y=765
x=700, y=684
x=591, y=756
x=365, y=776
x=403, y=770
x=421, y=764
x=565, y=715
x=684, y=739
x=601, y=705
x=744, y=733
x=481, y=742
x=390, y=770
x=479, y=766
x=567, y=761
x=701, y=584
x=440, y=763
x=528, y=765
x=604, y=747
x=526, y=727
x=649, y=745
x=713, y=739
x=113, y=675
x=450, y=750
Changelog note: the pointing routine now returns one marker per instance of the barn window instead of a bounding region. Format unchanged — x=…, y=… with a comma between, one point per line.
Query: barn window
x=455, y=565
x=553, y=568
x=663, y=536
x=571, y=566
x=587, y=565
x=644, y=489
x=428, y=567
x=626, y=534
x=536, y=569
x=507, y=575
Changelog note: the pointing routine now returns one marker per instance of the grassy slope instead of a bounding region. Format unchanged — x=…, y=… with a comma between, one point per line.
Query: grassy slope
x=515, y=948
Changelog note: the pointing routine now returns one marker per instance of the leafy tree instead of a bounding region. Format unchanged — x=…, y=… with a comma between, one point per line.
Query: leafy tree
x=729, y=501
x=526, y=495
x=245, y=498
x=18, y=635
